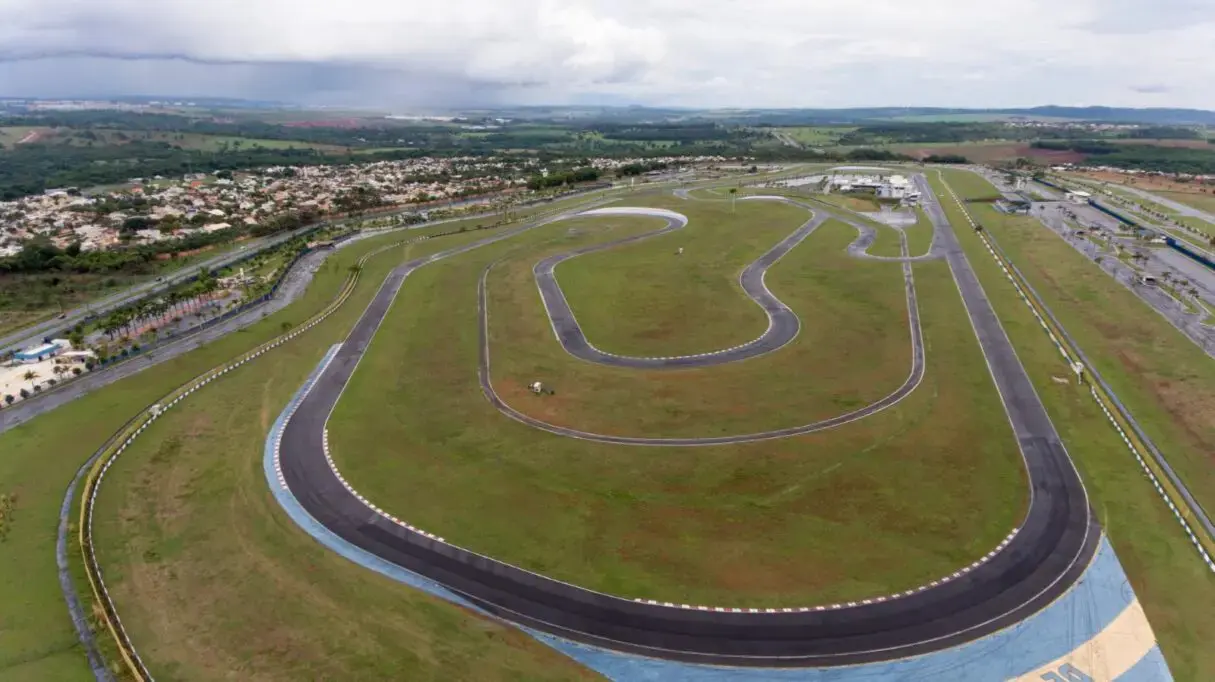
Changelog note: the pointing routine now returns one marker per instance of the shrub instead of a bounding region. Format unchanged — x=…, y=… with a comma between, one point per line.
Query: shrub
x=9, y=399
x=25, y=393
x=76, y=371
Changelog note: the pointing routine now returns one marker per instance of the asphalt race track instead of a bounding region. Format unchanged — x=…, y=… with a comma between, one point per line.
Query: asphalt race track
x=1045, y=556
x=783, y=326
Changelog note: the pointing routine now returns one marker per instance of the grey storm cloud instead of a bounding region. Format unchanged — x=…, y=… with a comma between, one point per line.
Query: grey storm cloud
x=677, y=52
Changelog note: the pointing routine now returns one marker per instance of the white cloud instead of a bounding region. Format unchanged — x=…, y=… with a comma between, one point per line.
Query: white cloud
x=724, y=52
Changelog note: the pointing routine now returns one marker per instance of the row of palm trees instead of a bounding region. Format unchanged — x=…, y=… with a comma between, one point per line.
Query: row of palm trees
x=152, y=312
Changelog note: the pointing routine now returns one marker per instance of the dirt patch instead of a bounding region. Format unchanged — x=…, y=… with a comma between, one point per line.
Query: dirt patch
x=32, y=137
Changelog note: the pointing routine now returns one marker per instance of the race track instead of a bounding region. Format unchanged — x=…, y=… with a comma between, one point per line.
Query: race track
x=1041, y=560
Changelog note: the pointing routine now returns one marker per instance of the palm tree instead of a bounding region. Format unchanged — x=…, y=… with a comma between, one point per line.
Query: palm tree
x=29, y=376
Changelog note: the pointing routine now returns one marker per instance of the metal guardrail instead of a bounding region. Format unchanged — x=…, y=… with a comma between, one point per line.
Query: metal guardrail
x=134, y=427
x=1168, y=484
x=117, y=444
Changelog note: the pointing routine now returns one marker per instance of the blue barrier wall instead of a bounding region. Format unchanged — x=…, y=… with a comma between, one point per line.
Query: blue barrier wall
x=1190, y=253
x=1111, y=212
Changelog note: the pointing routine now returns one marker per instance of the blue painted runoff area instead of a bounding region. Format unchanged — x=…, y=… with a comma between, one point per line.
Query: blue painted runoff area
x=1102, y=593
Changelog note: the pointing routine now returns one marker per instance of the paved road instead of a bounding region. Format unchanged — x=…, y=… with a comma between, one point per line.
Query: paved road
x=1183, y=209
x=293, y=285
x=1198, y=327
x=33, y=335
x=1048, y=553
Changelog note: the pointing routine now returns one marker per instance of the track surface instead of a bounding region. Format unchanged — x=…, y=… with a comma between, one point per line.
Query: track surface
x=783, y=326
x=1054, y=544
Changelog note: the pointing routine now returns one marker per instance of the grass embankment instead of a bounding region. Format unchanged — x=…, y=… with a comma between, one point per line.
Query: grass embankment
x=930, y=484
x=1173, y=585
x=39, y=458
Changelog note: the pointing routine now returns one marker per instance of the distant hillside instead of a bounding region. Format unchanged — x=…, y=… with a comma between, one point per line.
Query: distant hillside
x=796, y=117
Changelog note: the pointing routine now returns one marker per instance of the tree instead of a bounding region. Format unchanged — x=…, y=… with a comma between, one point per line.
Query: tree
x=59, y=370
x=733, y=198
x=29, y=376
x=9, y=399
x=76, y=371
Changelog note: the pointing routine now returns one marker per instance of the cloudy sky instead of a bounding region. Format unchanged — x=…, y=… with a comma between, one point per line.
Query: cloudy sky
x=409, y=54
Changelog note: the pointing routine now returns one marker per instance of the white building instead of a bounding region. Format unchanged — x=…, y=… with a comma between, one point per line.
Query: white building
x=1079, y=197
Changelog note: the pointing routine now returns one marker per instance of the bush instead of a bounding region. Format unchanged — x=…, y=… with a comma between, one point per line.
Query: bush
x=76, y=371
x=9, y=399
x=25, y=393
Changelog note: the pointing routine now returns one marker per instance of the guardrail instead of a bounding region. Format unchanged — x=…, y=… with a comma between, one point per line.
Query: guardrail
x=123, y=438
x=1185, y=508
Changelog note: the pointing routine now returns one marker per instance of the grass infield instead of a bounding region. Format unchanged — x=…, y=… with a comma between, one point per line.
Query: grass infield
x=774, y=523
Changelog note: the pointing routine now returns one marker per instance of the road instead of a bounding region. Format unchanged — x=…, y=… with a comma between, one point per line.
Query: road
x=33, y=335
x=1172, y=204
x=1198, y=327
x=1034, y=566
x=293, y=285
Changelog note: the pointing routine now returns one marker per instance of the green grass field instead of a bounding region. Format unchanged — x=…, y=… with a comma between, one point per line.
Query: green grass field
x=1172, y=583
x=919, y=236
x=929, y=491
x=1199, y=201
x=38, y=459
x=11, y=135
x=861, y=203
x=843, y=303
x=718, y=244
x=817, y=136
x=161, y=526
x=196, y=141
